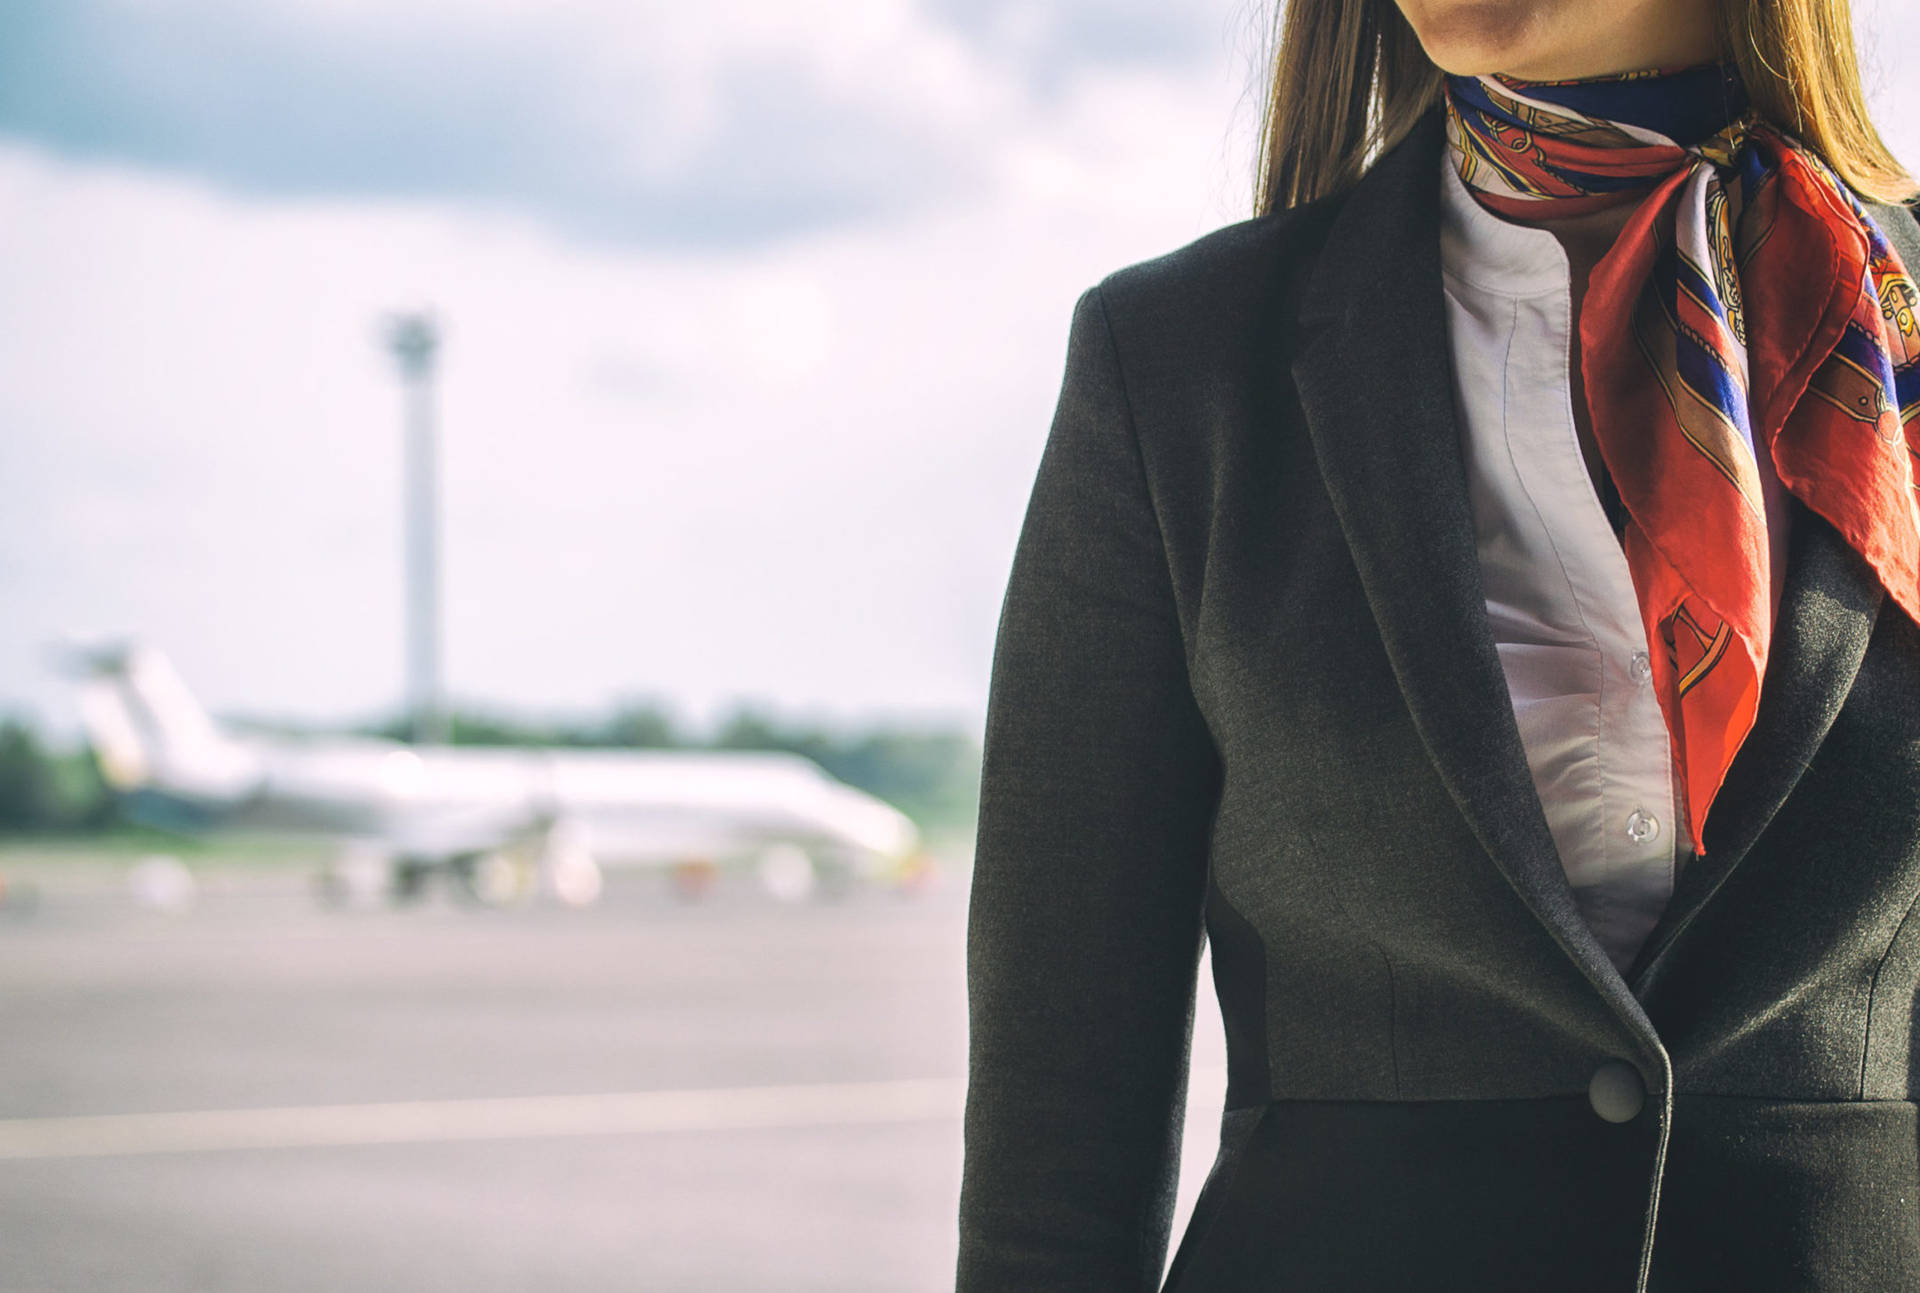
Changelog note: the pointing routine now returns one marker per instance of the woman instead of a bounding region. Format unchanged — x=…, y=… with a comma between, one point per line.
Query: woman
x=1392, y=609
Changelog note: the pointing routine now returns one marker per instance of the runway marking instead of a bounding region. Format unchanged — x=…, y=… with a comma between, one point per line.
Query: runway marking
x=511, y=1118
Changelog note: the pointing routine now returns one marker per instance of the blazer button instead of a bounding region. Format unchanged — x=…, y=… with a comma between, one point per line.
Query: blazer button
x=1617, y=1091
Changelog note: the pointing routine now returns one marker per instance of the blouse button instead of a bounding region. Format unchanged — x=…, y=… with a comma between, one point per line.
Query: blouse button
x=1642, y=826
x=1640, y=666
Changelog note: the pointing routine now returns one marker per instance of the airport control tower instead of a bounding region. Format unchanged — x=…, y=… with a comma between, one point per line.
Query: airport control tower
x=414, y=340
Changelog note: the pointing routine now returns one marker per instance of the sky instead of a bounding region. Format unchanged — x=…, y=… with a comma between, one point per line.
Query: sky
x=754, y=316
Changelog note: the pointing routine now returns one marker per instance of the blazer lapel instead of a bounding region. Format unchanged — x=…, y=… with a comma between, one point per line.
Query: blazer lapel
x=1374, y=375
x=1828, y=606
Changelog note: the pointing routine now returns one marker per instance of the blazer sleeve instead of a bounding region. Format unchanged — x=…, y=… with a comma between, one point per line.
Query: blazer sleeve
x=1098, y=784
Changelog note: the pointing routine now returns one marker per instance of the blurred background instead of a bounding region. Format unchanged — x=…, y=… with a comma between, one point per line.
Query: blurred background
x=507, y=506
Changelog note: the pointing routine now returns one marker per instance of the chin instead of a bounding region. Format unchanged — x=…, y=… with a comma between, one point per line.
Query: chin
x=1475, y=37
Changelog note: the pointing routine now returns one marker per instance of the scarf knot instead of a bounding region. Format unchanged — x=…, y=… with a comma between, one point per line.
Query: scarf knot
x=1749, y=305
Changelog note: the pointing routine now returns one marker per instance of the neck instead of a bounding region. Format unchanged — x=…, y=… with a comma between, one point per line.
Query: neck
x=1670, y=33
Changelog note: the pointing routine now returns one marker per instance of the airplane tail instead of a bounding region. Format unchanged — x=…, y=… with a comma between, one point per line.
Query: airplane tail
x=149, y=732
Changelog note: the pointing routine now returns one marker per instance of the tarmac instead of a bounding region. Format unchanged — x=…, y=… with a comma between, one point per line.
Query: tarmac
x=250, y=1091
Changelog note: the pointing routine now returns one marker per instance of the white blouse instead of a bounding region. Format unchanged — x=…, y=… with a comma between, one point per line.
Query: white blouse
x=1559, y=598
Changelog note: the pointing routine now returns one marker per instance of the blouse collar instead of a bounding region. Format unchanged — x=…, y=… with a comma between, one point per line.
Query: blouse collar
x=1491, y=253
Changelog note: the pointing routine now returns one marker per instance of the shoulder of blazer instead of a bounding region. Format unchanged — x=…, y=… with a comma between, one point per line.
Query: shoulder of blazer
x=1212, y=294
x=1226, y=305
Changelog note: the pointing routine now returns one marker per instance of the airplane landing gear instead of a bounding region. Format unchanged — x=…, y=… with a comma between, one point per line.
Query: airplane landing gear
x=787, y=872
x=363, y=875
x=495, y=878
x=567, y=868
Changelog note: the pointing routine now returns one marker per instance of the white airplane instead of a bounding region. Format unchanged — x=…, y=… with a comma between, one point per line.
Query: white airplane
x=500, y=822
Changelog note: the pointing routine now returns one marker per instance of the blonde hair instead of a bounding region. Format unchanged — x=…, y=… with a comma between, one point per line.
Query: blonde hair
x=1349, y=79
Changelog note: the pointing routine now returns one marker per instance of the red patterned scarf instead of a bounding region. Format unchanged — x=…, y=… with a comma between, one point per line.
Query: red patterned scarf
x=1750, y=302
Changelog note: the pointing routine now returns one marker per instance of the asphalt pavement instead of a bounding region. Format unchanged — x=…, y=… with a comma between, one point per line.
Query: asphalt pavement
x=254, y=1093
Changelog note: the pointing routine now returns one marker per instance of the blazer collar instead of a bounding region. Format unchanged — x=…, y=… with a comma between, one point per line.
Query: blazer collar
x=1373, y=370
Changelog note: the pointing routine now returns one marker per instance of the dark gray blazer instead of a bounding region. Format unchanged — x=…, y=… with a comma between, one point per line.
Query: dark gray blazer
x=1244, y=688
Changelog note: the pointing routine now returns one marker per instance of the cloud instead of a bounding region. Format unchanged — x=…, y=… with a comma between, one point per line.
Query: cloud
x=1050, y=38
x=793, y=471
x=633, y=123
x=728, y=123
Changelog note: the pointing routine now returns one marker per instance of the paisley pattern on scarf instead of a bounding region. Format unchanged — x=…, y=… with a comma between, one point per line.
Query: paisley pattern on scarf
x=1749, y=303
